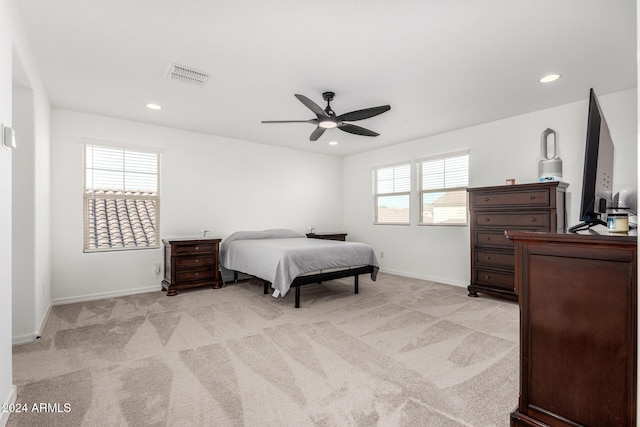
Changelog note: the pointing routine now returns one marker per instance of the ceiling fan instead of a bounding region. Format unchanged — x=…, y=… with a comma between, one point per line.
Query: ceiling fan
x=327, y=119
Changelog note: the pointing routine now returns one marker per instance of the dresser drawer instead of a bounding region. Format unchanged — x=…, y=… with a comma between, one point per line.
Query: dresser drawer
x=503, y=280
x=497, y=259
x=529, y=220
x=191, y=262
x=492, y=238
x=195, y=248
x=538, y=198
x=195, y=274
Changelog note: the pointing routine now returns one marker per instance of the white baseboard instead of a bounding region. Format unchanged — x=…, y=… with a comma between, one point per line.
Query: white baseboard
x=103, y=295
x=11, y=399
x=442, y=280
x=43, y=322
x=23, y=339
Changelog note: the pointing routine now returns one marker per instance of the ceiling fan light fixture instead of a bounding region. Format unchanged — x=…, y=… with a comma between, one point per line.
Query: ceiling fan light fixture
x=328, y=124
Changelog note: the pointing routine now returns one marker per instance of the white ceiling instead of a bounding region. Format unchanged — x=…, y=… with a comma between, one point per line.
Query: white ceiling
x=440, y=64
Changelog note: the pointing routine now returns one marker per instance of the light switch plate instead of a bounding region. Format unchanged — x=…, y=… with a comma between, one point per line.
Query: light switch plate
x=8, y=137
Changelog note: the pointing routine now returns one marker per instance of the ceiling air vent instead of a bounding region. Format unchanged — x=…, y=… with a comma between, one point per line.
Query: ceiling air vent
x=187, y=75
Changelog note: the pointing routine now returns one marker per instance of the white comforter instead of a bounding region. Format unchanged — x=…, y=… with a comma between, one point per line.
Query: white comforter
x=281, y=255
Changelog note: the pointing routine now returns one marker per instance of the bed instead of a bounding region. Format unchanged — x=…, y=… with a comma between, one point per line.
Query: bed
x=284, y=259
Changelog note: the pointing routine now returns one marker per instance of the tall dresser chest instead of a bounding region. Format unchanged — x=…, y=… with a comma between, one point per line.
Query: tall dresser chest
x=494, y=210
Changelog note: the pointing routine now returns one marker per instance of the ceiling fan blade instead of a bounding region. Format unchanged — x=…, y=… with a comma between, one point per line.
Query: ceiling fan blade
x=357, y=130
x=315, y=121
x=363, y=114
x=316, y=134
x=312, y=106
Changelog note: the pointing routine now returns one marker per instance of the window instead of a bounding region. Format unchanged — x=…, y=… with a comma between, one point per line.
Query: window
x=392, y=192
x=121, y=201
x=443, y=181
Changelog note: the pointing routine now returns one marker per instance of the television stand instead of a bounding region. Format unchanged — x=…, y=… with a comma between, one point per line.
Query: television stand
x=586, y=225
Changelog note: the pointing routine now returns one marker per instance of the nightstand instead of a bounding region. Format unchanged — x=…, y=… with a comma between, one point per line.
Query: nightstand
x=189, y=263
x=328, y=236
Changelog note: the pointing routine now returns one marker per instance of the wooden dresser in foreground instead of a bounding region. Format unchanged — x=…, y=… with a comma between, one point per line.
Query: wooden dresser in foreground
x=578, y=329
x=190, y=262
x=494, y=210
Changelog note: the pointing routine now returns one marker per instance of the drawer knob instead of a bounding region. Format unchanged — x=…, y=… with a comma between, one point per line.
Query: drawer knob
x=197, y=261
x=197, y=248
x=487, y=238
x=532, y=196
x=487, y=257
x=487, y=277
x=197, y=274
x=487, y=219
x=532, y=219
x=486, y=199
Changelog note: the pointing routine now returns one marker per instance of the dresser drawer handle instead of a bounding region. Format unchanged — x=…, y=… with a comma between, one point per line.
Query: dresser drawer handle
x=197, y=261
x=532, y=196
x=532, y=219
x=487, y=257
x=197, y=248
x=488, y=238
x=486, y=199
x=487, y=277
x=487, y=219
x=197, y=274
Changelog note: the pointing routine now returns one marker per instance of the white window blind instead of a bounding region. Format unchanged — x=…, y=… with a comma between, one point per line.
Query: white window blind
x=121, y=198
x=443, y=196
x=392, y=189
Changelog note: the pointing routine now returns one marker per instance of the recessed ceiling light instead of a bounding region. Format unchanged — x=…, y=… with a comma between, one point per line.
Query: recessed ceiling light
x=333, y=143
x=154, y=107
x=549, y=78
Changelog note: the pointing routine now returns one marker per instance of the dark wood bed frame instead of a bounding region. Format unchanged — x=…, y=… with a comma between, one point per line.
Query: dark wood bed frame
x=317, y=279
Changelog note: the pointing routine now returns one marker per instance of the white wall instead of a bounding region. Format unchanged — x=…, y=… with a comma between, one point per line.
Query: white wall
x=14, y=44
x=23, y=224
x=220, y=184
x=31, y=190
x=508, y=148
x=7, y=391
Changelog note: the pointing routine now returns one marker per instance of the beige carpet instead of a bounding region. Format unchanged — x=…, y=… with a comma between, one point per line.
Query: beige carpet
x=403, y=352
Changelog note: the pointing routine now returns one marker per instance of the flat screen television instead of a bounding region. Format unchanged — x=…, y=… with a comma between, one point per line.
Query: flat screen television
x=597, y=177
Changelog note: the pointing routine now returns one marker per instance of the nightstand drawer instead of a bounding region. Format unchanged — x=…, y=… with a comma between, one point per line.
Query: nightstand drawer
x=529, y=220
x=192, y=262
x=498, y=259
x=195, y=274
x=195, y=249
x=499, y=199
